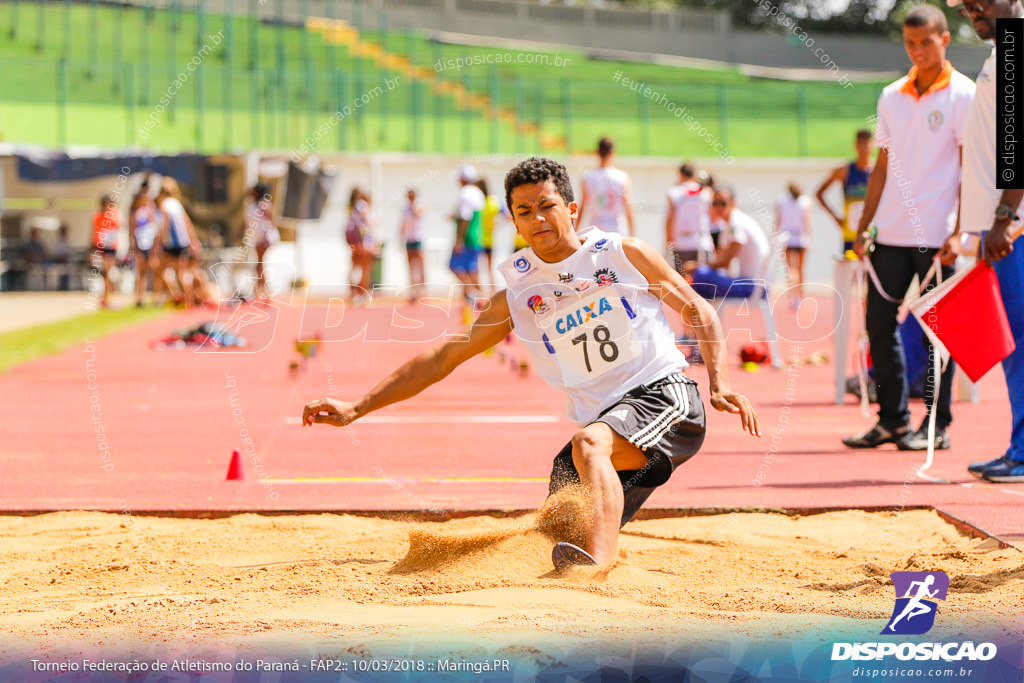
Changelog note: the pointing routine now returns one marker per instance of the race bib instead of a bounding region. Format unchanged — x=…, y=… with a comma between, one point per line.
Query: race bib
x=591, y=336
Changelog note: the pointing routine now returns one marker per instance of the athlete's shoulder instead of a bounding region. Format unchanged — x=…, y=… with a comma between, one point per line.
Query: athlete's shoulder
x=637, y=251
x=894, y=89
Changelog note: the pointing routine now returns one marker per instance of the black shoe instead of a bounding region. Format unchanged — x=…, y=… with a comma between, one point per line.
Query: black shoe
x=979, y=468
x=918, y=441
x=876, y=436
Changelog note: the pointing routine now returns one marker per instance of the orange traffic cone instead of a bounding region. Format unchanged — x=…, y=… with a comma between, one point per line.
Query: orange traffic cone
x=235, y=471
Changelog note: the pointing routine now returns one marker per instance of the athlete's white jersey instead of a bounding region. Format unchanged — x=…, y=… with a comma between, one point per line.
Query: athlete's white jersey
x=606, y=192
x=691, y=229
x=593, y=329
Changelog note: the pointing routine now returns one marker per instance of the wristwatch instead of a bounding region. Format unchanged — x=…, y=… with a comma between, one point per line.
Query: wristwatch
x=1004, y=211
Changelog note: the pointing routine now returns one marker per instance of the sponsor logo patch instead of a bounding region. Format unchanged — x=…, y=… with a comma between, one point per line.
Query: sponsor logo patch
x=605, y=276
x=537, y=304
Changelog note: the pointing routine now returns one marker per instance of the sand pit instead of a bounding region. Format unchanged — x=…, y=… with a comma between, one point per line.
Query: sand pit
x=103, y=580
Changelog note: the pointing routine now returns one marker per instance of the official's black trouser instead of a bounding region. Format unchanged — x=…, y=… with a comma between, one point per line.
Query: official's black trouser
x=896, y=267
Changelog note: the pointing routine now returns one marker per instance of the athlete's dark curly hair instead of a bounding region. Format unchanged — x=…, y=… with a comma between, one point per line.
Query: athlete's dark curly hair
x=537, y=170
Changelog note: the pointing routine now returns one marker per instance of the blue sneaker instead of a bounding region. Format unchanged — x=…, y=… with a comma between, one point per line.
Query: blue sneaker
x=1006, y=471
x=566, y=555
x=978, y=468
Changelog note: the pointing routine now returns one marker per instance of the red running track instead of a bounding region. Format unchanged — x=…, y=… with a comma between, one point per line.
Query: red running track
x=116, y=425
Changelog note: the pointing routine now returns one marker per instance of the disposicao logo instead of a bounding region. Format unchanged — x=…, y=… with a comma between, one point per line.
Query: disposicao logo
x=916, y=593
x=913, y=615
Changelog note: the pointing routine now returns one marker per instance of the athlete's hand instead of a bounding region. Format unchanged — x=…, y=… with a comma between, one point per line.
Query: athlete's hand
x=950, y=250
x=328, y=411
x=734, y=402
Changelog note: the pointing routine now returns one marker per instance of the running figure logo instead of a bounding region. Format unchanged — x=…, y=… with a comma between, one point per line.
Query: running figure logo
x=916, y=593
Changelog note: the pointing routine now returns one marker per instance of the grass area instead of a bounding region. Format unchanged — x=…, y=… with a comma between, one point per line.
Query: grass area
x=269, y=86
x=21, y=346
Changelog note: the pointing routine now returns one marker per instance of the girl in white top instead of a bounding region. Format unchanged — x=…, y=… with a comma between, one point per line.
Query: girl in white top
x=177, y=237
x=688, y=224
x=793, y=217
x=607, y=193
x=412, y=233
x=143, y=229
x=259, y=220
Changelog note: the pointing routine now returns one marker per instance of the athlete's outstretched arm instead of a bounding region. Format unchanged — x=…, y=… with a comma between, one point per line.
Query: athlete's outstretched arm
x=670, y=287
x=424, y=369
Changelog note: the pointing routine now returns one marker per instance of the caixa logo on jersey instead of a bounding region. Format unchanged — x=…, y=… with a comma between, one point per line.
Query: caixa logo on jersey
x=583, y=315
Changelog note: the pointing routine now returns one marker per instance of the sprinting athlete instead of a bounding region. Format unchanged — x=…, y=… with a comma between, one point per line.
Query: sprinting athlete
x=589, y=310
x=854, y=180
x=607, y=194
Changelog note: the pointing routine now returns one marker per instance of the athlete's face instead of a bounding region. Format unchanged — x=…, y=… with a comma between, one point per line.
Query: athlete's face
x=541, y=215
x=863, y=146
x=926, y=46
x=721, y=206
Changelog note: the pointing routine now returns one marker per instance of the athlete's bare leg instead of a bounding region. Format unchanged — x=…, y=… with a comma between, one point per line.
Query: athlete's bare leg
x=795, y=259
x=598, y=452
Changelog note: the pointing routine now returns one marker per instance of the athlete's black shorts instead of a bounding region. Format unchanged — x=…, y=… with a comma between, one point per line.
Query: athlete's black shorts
x=175, y=252
x=665, y=419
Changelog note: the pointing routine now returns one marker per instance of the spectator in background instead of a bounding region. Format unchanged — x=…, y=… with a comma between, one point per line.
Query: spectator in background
x=358, y=234
x=464, y=262
x=259, y=218
x=34, y=249
x=742, y=240
x=177, y=238
x=488, y=217
x=707, y=184
x=606, y=195
x=62, y=255
x=793, y=218
x=106, y=224
x=412, y=235
x=143, y=228
x=853, y=178
x=687, y=225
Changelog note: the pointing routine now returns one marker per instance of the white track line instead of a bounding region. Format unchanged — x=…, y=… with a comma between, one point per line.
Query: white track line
x=447, y=419
x=397, y=481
